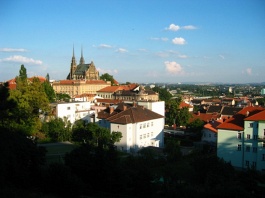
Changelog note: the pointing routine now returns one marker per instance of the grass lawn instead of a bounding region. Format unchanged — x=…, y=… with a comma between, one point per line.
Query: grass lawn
x=56, y=151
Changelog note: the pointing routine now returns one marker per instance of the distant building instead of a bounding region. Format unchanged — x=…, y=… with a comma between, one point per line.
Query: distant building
x=82, y=71
x=78, y=87
x=262, y=92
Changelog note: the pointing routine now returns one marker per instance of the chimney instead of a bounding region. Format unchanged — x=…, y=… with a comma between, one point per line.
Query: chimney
x=124, y=107
x=247, y=114
x=111, y=109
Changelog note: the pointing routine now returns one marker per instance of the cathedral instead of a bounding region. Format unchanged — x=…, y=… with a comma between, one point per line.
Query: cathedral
x=82, y=71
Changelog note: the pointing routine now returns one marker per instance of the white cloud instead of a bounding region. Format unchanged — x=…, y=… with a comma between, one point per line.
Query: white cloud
x=173, y=68
x=22, y=59
x=143, y=50
x=121, y=50
x=12, y=50
x=189, y=27
x=104, y=46
x=173, y=27
x=178, y=41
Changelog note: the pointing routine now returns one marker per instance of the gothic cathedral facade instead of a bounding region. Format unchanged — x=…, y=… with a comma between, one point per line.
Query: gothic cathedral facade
x=82, y=71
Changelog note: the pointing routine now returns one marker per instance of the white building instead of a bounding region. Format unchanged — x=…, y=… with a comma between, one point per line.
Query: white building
x=241, y=139
x=74, y=111
x=209, y=132
x=140, y=127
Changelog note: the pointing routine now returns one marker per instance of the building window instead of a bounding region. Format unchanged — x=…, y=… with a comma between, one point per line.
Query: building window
x=239, y=135
x=144, y=125
x=144, y=136
x=148, y=124
x=153, y=124
x=263, y=157
x=251, y=125
x=255, y=137
x=210, y=135
x=247, y=148
x=263, y=144
x=254, y=149
x=152, y=134
x=140, y=126
x=239, y=147
x=68, y=108
x=247, y=163
x=248, y=136
x=141, y=137
x=148, y=135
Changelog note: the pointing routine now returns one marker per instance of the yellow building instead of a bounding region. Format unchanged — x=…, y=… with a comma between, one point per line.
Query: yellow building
x=78, y=87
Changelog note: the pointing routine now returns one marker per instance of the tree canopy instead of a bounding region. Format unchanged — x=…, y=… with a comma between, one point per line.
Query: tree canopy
x=107, y=77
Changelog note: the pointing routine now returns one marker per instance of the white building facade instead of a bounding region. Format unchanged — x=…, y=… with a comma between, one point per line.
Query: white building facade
x=74, y=111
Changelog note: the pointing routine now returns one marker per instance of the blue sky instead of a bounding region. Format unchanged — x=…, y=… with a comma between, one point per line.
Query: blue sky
x=137, y=40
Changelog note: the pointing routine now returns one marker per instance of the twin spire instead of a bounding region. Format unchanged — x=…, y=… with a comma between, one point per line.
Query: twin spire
x=82, y=60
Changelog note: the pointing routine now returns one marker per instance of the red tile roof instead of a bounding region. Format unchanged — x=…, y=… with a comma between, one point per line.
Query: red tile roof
x=117, y=88
x=257, y=117
x=184, y=104
x=212, y=126
x=236, y=122
x=134, y=115
x=204, y=117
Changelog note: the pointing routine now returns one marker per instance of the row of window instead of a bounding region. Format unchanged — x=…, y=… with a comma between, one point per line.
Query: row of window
x=146, y=125
x=147, y=135
x=254, y=149
x=255, y=137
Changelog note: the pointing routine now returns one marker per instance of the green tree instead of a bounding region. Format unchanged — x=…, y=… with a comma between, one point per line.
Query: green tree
x=57, y=130
x=31, y=101
x=196, y=125
x=63, y=97
x=164, y=95
x=107, y=77
x=183, y=117
x=172, y=107
x=23, y=73
x=95, y=135
x=48, y=89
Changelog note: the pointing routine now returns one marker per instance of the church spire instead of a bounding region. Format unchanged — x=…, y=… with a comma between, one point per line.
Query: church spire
x=82, y=60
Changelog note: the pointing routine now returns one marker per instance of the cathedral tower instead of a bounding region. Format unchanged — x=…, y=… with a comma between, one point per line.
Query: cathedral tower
x=73, y=65
x=82, y=60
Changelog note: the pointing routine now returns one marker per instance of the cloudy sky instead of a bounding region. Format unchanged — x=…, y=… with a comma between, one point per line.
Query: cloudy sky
x=136, y=40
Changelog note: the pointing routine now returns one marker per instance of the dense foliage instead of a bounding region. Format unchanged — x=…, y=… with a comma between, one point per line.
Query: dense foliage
x=107, y=77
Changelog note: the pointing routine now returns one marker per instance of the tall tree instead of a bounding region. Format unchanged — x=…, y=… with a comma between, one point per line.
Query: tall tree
x=172, y=107
x=23, y=73
x=48, y=89
x=31, y=102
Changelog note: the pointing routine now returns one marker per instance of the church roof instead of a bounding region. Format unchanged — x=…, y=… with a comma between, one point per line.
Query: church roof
x=81, y=69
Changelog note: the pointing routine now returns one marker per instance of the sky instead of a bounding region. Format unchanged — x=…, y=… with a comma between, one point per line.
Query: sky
x=138, y=41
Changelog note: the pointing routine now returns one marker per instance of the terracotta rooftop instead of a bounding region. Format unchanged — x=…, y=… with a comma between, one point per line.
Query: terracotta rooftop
x=212, y=126
x=236, y=122
x=257, y=117
x=117, y=88
x=134, y=115
x=204, y=117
